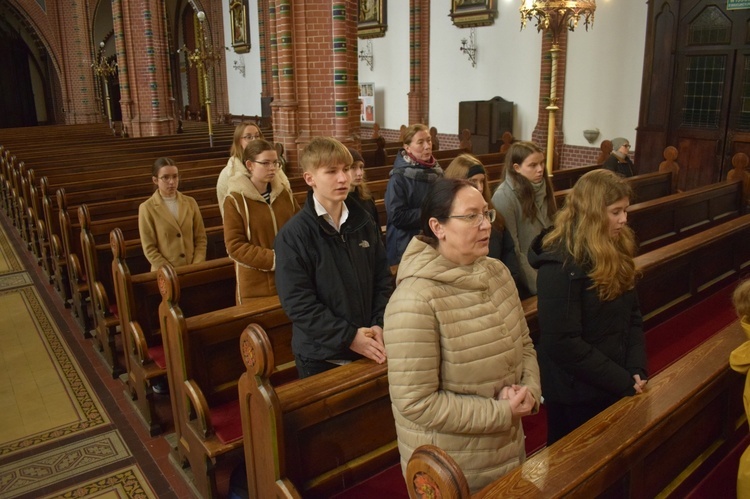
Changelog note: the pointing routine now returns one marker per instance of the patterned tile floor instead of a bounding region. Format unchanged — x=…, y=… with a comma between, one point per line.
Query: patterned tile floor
x=66, y=428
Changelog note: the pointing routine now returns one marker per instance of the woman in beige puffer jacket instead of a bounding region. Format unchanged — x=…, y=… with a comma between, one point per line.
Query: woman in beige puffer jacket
x=461, y=366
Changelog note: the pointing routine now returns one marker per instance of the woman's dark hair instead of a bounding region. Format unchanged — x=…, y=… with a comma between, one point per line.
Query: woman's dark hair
x=438, y=202
x=159, y=163
x=254, y=148
x=516, y=155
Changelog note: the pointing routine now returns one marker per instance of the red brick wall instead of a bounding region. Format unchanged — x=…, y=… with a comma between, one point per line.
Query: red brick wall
x=419, y=61
x=64, y=29
x=306, y=65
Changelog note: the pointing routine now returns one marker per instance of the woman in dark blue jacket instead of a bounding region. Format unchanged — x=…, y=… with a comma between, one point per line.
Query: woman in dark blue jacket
x=413, y=171
x=591, y=349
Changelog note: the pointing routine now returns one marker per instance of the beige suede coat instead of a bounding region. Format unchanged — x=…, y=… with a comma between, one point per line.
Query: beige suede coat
x=455, y=336
x=165, y=239
x=234, y=167
x=250, y=227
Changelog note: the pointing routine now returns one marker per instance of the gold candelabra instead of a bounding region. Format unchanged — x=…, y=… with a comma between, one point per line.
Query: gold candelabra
x=554, y=16
x=203, y=57
x=105, y=70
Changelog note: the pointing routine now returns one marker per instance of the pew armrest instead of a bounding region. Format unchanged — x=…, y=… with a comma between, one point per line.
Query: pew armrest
x=57, y=248
x=139, y=346
x=101, y=301
x=200, y=406
x=75, y=270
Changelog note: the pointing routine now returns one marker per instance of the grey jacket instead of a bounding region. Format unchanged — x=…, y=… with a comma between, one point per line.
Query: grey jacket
x=521, y=229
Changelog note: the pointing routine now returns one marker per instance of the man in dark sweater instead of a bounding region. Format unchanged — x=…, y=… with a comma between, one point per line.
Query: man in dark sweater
x=332, y=274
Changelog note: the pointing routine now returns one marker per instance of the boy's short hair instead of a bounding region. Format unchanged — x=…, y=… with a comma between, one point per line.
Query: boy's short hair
x=322, y=151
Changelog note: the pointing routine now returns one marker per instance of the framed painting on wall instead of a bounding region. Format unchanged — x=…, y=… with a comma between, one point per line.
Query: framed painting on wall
x=470, y=13
x=239, y=20
x=371, y=20
x=367, y=97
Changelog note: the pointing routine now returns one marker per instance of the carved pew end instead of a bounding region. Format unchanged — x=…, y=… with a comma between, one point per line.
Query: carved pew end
x=431, y=472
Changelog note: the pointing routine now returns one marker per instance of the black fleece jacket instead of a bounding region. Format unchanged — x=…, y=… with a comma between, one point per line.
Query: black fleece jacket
x=331, y=283
x=589, y=350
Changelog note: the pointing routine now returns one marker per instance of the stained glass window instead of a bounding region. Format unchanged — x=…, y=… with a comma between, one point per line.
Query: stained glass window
x=704, y=86
x=711, y=27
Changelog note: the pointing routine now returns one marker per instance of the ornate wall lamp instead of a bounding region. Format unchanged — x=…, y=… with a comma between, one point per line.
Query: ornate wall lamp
x=203, y=57
x=366, y=54
x=239, y=65
x=554, y=16
x=471, y=48
x=105, y=70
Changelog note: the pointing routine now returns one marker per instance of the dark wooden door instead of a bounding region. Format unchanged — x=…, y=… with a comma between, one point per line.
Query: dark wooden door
x=710, y=109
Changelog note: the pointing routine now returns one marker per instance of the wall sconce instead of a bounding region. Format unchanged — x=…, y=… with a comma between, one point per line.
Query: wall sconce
x=240, y=66
x=471, y=48
x=366, y=54
x=591, y=134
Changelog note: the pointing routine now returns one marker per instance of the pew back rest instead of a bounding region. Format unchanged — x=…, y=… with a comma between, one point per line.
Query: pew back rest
x=320, y=434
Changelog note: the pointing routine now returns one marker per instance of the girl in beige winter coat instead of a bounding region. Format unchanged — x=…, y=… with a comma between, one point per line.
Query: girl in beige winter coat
x=462, y=368
x=257, y=206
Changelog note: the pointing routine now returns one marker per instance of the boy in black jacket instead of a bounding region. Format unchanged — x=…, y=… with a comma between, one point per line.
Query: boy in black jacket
x=332, y=274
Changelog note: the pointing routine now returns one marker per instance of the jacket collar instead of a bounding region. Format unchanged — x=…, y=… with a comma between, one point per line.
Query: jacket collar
x=163, y=210
x=421, y=259
x=357, y=219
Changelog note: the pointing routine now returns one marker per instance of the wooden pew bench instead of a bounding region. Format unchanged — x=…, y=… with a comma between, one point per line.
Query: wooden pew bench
x=636, y=448
x=203, y=367
x=204, y=287
x=96, y=253
x=50, y=224
x=316, y=436
x=682, y=267
x=676, y=216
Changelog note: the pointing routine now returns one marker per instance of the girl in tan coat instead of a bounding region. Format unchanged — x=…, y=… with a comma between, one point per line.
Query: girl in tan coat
x=170, y=223
x=257, y=206
x=462, y=368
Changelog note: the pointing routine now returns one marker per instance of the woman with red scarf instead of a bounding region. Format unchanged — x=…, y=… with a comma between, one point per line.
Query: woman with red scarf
x=413, y=171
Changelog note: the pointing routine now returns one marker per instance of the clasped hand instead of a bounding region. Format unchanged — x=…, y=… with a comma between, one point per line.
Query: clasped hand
x=368, y=342
x=520, y=399
x=640, y=384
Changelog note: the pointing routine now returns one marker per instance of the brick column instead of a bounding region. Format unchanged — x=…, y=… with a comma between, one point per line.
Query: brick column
x=143, y=60
x=419, y=67
x=265, y=29
x=285, y=105
x=78, y=76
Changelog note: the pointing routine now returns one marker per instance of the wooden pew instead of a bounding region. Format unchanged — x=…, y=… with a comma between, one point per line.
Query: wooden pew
x=204, y=286
x=192, y=175
x=96, y=253
x=673, y=217
x=636, y=448
x=316, y=436
x=272, y=424
x=203, y=367
x=63, y=198
x=652, y=308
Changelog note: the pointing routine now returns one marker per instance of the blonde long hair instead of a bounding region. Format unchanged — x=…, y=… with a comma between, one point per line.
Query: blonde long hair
x=582, y=230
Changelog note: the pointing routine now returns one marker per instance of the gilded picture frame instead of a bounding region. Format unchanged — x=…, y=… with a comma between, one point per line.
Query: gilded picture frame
x=239, y=23
x=371, y=18
x=471, y=13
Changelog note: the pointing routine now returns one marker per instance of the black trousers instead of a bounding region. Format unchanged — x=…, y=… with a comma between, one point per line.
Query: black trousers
x=308, y=367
